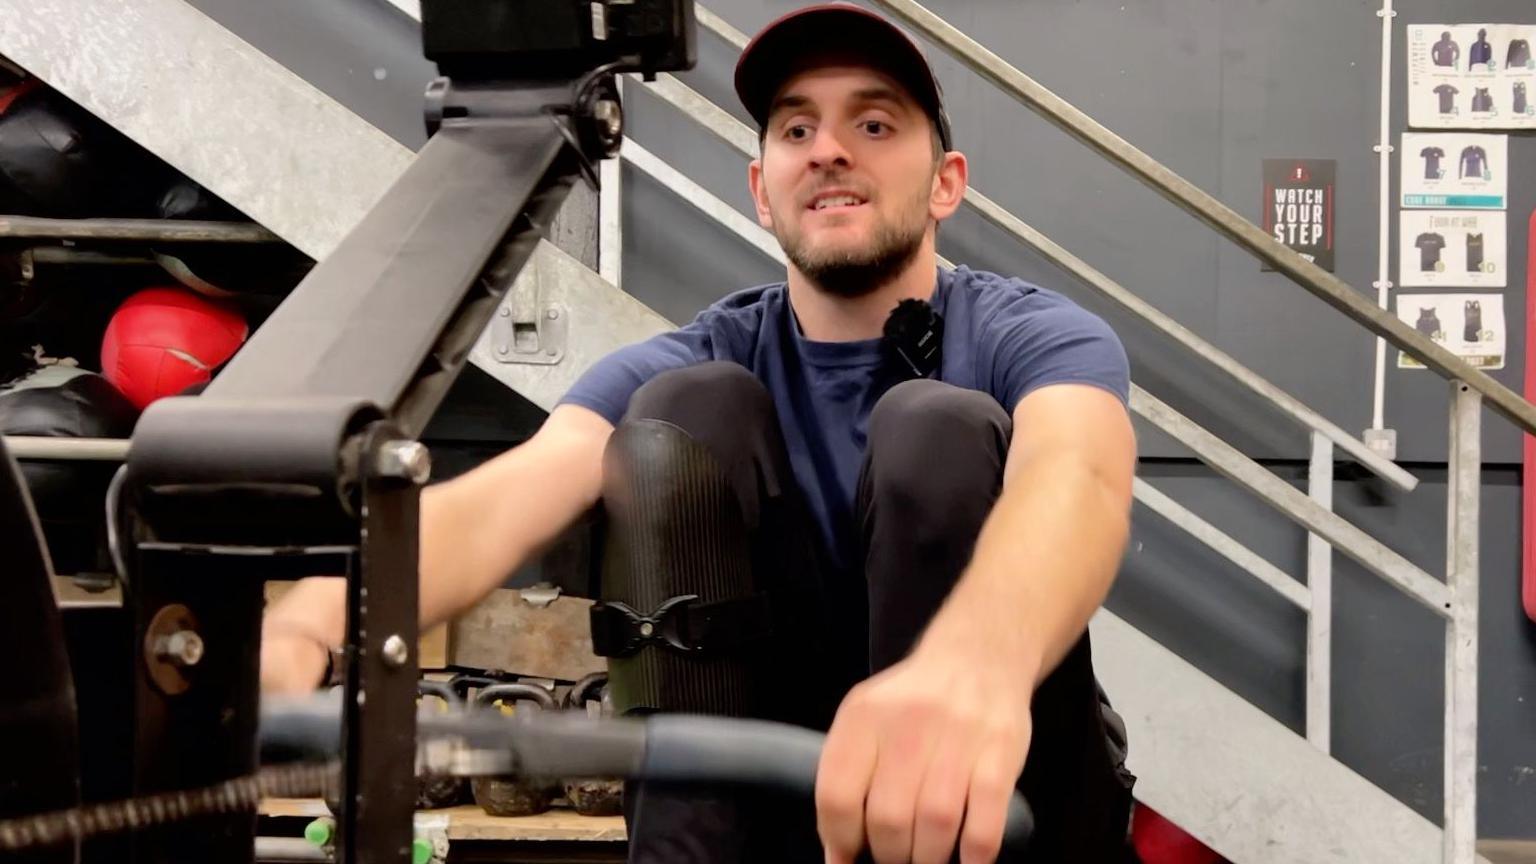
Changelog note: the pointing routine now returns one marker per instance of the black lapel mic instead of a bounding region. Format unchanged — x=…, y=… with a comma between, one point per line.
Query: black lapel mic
x=914, y=338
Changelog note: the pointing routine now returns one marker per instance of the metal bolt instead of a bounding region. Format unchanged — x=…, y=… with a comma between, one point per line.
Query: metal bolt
x=407, y=459
x=503, y=349
x=552, y=314
x=610, y=118
x=551, y=351
x=183, y=648
x=396, y=652
x=647, y=629
x=505, y=312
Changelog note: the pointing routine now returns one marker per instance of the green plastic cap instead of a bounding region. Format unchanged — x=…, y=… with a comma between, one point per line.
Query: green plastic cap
x=421, y=850
x=319, y=832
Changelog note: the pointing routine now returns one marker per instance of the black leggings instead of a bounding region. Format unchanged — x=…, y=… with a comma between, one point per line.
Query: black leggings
x=933, y=467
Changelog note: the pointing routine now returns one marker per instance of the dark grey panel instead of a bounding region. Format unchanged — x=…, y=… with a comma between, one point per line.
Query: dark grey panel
x=706, y=261
x=365, y=54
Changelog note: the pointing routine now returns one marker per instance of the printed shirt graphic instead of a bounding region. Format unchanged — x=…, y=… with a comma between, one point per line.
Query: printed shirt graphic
x=1473, y=161
x=1446, y=51
x=1519, y=53
x=1447, y=95
x=1432, y=157
x=1429, y=250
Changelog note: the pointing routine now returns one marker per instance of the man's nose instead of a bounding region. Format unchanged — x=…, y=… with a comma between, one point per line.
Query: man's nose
x=828, y=150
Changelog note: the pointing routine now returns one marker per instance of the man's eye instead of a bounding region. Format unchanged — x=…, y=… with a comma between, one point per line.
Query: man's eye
x=875, y=127
x=798, y=132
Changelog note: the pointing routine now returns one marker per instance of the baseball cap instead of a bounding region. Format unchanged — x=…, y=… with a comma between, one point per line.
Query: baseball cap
x=777, y=51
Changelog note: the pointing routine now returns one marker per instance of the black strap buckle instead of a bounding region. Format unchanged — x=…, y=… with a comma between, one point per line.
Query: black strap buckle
x=681, y=623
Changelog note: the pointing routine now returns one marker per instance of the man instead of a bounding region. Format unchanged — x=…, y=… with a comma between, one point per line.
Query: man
x=932, y=529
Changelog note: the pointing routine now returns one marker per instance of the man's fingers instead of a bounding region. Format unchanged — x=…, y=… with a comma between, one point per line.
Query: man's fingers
x=905, y=749
x=842, y=785
x=986, y=811
x=940, y=808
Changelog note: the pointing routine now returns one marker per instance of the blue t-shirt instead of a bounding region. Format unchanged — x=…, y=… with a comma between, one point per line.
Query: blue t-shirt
x=1004, y=337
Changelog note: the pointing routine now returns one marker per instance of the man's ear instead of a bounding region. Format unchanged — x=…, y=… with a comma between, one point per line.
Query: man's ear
x=949, y=183
x=759, y=193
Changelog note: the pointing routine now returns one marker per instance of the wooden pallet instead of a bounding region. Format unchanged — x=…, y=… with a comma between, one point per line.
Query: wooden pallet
x=468, y=822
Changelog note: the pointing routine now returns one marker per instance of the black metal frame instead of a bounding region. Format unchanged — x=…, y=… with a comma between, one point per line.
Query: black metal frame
x=297, y=457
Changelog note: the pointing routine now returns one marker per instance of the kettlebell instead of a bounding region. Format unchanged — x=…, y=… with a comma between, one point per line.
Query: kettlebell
x=514, y=796
x=434, y=791
x=593, y=797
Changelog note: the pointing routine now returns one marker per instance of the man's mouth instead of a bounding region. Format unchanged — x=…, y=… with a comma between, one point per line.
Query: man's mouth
x=837, y=200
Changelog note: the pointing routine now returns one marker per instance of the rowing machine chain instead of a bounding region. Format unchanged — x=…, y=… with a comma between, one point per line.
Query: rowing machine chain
x=231, y=796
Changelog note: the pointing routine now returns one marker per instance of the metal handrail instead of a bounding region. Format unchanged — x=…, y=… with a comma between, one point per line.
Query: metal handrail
x=744, y=140
x=43, y=448
x=140, y=230
x=1201, y=204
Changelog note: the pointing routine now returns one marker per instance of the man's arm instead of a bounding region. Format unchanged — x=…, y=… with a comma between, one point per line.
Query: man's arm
x=1050, y=549
x=475, y=530
x=911, y=766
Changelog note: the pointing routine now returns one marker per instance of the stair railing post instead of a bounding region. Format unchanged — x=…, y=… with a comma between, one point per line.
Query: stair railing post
x=1461, y=547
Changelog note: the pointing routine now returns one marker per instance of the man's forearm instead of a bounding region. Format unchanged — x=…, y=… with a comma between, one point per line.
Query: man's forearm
x=317, y=607
x=1044, y=561
x=478, y=528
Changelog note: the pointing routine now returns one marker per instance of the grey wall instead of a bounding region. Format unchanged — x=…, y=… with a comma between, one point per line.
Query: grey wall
x=1211, y=88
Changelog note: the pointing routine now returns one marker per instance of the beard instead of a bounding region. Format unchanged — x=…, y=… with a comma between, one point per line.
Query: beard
x=857, y=272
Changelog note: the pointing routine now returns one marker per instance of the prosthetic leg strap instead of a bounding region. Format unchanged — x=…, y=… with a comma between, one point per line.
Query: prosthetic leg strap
x=674, y=529
x=682, y=623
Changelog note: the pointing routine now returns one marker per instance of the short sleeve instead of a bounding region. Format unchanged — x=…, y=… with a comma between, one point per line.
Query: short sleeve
x=609, y=383
x=1041, y=338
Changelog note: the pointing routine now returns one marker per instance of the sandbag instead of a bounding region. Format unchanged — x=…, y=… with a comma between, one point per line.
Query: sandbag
x=59, y=161
x=69, y=496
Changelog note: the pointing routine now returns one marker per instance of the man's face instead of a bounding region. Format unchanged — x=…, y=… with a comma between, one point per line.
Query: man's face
x=849, y=179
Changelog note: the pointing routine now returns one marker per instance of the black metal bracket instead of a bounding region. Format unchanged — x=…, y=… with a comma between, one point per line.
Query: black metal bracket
x=301, y=455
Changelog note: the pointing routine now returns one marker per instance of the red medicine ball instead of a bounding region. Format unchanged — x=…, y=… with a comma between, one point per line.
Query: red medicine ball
x=163, y=340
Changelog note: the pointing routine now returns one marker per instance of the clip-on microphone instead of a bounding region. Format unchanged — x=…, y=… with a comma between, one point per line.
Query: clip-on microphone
x=914, y=336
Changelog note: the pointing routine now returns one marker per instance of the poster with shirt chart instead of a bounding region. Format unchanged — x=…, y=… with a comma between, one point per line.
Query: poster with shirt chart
x=1471, y=76
x=1451, y=248
x=1454, y=170
x=1471, y=326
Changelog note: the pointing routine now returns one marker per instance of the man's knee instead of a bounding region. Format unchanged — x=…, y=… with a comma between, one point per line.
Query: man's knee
x=700, y=397
x=929, y=441
x=723, y=407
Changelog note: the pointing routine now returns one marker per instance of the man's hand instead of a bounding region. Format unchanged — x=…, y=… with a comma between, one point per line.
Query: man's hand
x=927, y=751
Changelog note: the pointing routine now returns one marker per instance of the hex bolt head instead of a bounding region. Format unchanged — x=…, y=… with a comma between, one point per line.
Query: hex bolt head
x=396, y=652
x=610, y=118
x=183, y=648
x=409, y=460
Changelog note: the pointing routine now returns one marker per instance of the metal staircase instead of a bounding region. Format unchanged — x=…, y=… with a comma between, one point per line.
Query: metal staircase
x=307, y=167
